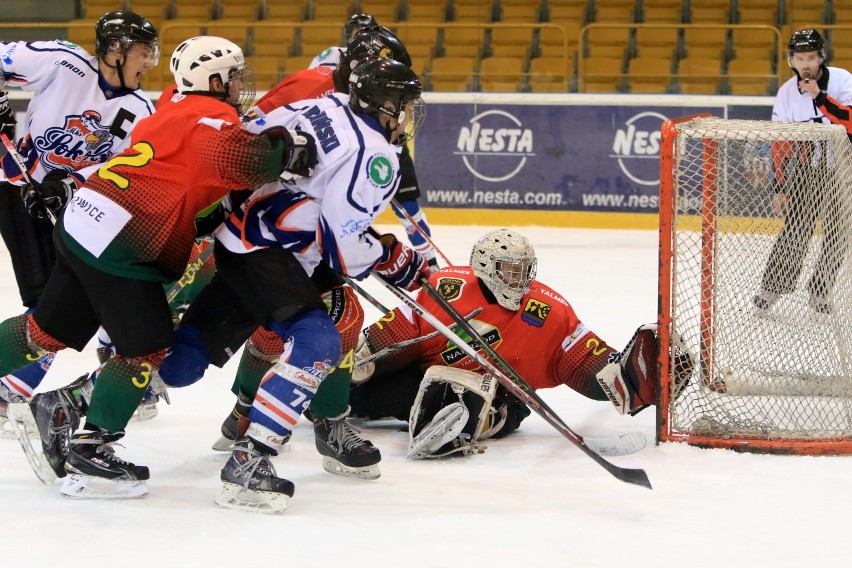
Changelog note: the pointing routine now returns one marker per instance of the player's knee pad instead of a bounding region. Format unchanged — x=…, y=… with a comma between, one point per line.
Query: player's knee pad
x=187, y=360
x=449, y=412
x=311, y=341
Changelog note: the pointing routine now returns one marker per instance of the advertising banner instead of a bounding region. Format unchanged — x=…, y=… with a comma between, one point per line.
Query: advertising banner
x=547, y=157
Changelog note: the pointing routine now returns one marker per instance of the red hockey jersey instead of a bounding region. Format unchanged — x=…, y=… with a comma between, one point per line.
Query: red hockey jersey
x=544, y=341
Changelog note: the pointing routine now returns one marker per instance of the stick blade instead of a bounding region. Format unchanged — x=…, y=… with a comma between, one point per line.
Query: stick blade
x=622, y=445
x=632, y=476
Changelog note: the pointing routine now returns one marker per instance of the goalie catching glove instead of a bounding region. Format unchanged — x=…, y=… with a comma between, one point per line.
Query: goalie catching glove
x=53, y=193
x=401, y=266
x=629, y=379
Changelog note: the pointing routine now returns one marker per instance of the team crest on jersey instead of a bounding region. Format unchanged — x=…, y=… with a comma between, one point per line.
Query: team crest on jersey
x=380, y=170
x=450, y=288
x=82, y=141
x=535, y=312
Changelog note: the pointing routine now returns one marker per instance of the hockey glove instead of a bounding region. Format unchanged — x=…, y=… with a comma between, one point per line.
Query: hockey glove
x=630, y=379
x=400, y=265
x=302, y=156
x=52, y=194
x=7, y=117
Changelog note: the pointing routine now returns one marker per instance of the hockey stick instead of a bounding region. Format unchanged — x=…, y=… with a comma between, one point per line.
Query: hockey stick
x=402, y=344
x=189, y=274
x=366, y=295
x=420, y=230
x=19, y=161
x=521, y=390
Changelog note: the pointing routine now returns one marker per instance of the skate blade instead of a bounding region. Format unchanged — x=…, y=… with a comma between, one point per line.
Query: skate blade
x=331, y=465
x=23, y=425
x=6, y=429
x=233, y=496
x=223, y=444
x=145, y=412
x=77, y=486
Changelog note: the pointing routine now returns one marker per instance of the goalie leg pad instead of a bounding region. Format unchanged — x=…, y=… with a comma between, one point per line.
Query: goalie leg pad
x=449, y=412
x=629, y=380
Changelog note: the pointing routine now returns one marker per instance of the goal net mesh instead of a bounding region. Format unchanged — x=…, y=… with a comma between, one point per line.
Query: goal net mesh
x=781, y=371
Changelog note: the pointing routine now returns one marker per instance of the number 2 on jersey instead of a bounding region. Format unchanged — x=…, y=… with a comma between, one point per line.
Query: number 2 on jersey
x=146, y=153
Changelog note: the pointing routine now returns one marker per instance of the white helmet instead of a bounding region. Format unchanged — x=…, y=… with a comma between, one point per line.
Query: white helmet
x=505, y=261
x=198, y=59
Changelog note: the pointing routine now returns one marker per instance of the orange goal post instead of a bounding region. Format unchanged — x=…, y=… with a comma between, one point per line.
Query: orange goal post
x=733, y=374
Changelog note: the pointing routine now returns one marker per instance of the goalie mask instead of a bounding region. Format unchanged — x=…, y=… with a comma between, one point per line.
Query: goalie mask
x=199, y=59
x=505, y=261
x=387, y=87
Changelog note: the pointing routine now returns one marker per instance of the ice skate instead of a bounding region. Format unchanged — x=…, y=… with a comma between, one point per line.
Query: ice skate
x=50, y=417
x=344, y=451
x=764, y=300
x=7, y=397
x=95, y=472
x=235, y=425
x=249, y=481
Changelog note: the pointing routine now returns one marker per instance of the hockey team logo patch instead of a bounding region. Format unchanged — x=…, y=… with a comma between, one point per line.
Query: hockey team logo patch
x=450, y=288
x=82, y=141
x=535, y=312
x=380, y=171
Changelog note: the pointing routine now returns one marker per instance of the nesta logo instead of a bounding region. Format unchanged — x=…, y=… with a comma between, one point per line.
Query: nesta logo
x=493, y=137
x=639, y=145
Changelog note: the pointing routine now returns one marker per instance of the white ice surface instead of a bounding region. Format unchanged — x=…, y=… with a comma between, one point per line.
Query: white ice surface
x=532, y=500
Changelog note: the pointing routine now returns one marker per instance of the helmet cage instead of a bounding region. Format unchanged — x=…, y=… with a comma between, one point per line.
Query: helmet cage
x=505, y=261
x=197, y=60
x=387, y=87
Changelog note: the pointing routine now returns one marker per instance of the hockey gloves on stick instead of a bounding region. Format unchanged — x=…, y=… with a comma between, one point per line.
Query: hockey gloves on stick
x=7, y=117
x=52, y=194
x=400, y=265
x=630, y=377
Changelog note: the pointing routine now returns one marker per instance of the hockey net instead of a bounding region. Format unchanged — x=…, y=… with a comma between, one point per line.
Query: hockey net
x=773, y=380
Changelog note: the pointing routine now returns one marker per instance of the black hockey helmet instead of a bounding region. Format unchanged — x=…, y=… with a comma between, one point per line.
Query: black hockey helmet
x=385, y=86
x=356, y=22
x=805, y=40
x=123, y=27
x=376, y=41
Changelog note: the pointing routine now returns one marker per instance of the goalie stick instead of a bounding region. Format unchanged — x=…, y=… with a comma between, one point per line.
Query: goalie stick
x=19, y=161
x=516, y=385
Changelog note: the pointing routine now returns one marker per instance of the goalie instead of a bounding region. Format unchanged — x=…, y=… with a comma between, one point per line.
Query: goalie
x=406, y=370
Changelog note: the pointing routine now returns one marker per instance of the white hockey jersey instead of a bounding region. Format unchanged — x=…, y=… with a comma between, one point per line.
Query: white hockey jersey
x=76, y=120
x=329, y=56
x=326, y=216
x=791, y=105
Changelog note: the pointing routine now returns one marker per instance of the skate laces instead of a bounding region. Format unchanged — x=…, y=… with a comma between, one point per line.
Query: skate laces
x=345, y=435
x=255, y=462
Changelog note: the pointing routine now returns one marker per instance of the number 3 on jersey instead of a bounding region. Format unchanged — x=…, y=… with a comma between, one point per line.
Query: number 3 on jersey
x=145, y=154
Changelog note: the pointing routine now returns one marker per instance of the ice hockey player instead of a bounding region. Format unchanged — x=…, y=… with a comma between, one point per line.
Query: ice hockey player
x=451, y=403
x=409, y=211
x=331, y=56
x=344, y=455
x=266, y=251
x=125, y=232
x=82, y=112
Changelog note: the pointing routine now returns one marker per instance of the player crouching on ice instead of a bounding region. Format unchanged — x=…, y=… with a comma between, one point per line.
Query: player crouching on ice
x=448, y=399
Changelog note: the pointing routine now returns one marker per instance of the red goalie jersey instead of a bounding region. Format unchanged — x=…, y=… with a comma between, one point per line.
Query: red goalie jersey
x=544, y=341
